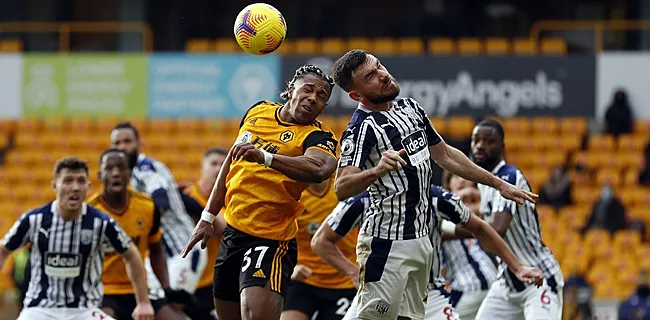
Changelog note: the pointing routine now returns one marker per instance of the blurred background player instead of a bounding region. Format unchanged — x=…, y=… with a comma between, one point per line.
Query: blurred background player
x=468, y=268
x=154, y=178
x=68, y=240
x=518, y=224
x=211, y=164
x=384, y=129
x=139, y=217
x=317, y=290
x=280, y=149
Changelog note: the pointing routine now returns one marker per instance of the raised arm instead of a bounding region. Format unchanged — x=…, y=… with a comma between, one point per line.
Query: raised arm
x=451, y=159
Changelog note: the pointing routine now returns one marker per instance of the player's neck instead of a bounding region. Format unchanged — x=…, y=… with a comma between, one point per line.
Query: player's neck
x=205, y=186
x=285, y=114
x=67, y=215
x=384, y=106
x=490, y=166
x=117, y=201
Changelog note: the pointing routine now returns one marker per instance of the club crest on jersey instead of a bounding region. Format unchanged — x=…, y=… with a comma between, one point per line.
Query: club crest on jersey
x=312, y=227
x=347, y=146
x=382, y=307
x=286, y=136
x=139, y=224
x=245, y=137
x=86, y=237
x=417, y=148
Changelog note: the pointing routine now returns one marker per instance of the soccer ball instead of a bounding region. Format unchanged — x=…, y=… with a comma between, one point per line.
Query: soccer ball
x=260, y=28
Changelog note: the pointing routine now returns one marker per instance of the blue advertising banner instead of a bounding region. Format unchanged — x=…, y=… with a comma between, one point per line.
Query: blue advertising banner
x=200, y=86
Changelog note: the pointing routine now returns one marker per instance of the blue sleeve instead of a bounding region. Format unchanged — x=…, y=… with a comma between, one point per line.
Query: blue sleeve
x=161, y=199
x=348, y=214
x=449, y=206
x=432, y=135
x=19, y=235
x=118, y=239
x=192, y=206
x=356, y=144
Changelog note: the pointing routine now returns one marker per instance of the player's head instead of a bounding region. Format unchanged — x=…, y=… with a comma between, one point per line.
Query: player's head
x=455, y=183
x=307, y=93
x=114, y=170
x=213, y=159
x=125, y=137
x=487, y=143
x=70, y=183
x=364, y=78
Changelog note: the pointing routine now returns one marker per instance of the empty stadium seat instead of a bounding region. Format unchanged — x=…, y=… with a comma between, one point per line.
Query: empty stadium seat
x=627, y=239
x=631, y=177
x=549, y=125
x=199, y=45
x=497, y=46
x=602, y=142
x=11, y=45
x=7, y=126
x=573, y=126
x=642, y=126
x=470, y=46
x=286, y=48
x=517, y=126
x=611, y=176
x=193, y=126
x=440, y=125
x=632, y=142
x=460, y=127
x=360, y=43
x=227, y=45
x=442, y=46
x=30, y=125
x=333, y=46
x=524, y=47
x=306, y=46
x=553, y=46
x=384, y=46
x=585, y=195
x=410, y=46
x=631, y=160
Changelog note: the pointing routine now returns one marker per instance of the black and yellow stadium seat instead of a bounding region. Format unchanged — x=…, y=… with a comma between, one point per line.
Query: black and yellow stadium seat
x=199, y=45
x=11, y=45
x=332, y=46
x=384, y=46
x=360, y=43
x=442, y=46
x=524, y=47
x=497, y=46
x=553, y=46
x=601, y=142
x=470, y=46
x=226, y=45
x=306, y=46
x=410, y=46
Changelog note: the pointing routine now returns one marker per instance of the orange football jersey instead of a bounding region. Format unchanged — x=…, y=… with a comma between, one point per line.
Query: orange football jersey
x=141, y=221
x=260, y=201
x=317, y=208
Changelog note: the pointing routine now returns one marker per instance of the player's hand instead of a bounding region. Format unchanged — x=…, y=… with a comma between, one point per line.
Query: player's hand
x=248, y=152
x=531, y=276
x=202, y=232
x=300, y=273
x=143, y=311
x=390, y=161
x=355, y=278
x=517, y=195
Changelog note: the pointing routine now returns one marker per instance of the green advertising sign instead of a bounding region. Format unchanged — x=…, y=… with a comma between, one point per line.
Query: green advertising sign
x=84, y=85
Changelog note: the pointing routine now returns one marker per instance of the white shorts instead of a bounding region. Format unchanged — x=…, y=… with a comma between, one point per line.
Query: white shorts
x=183, y=273
x=36, y=313
x=503, y=303
x=393, y=277
x=468, y=303
x=439, y=307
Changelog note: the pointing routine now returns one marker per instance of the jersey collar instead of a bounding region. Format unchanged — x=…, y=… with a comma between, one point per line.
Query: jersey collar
x=141, y=157
x=55, y=205
x=498, y=167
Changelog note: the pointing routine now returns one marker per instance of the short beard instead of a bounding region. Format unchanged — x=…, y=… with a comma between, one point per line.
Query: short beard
x=133, y=159
x=377, y=99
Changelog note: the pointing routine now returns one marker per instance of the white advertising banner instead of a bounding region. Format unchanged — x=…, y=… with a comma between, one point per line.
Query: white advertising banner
x=11, y=74
x=628, y=71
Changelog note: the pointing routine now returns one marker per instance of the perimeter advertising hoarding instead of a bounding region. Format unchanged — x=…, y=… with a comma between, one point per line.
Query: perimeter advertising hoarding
x=210, y=86
x=479, y=86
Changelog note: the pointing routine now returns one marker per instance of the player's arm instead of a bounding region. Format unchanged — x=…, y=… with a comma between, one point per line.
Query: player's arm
x=451, y=159
x=156, y=254
x=316, y=165
x=18, y=236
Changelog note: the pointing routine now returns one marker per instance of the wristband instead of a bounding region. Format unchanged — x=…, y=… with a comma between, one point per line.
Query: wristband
x=207, y=216
x=268, y=158
x=448, y=227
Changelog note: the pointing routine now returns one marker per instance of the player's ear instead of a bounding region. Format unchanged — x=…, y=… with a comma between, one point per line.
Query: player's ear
x=354, y=96
x=54, y=185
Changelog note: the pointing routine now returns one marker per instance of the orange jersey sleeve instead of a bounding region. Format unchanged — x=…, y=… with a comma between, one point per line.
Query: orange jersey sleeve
x=261, y=201
x=138, y=220
x=207, y=277
x=317, y=208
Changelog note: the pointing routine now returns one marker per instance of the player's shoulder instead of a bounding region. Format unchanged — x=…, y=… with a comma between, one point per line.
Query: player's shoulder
x=263, y=106
x=96, y=212
x=94, y=200
x=44, y=209
x=510, y=174
x=439, y=192
x=140, y=198
x=407, y=102
x=146, y=163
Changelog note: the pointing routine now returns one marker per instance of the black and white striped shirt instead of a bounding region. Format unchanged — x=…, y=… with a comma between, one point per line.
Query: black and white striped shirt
x=154, y=178
x=468, y=267
x=399, y=201
x=524, y=235
x=67, y=257
x=445, y=205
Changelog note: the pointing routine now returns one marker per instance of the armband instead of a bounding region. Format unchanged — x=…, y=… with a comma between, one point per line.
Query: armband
x=448, y=227
x=268, y=158
x=207, y=216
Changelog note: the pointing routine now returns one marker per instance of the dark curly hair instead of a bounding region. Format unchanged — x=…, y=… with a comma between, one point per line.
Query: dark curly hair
x=344, y=67
x=307, y=69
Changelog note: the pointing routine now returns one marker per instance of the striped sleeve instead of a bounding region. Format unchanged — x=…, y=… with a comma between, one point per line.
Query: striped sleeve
x=356, y=144
x=151, y=177
x=449, y=206
x=502, y=204
x=432, y=135
x=118, y=239
x=348, y=214
x=19, y=234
